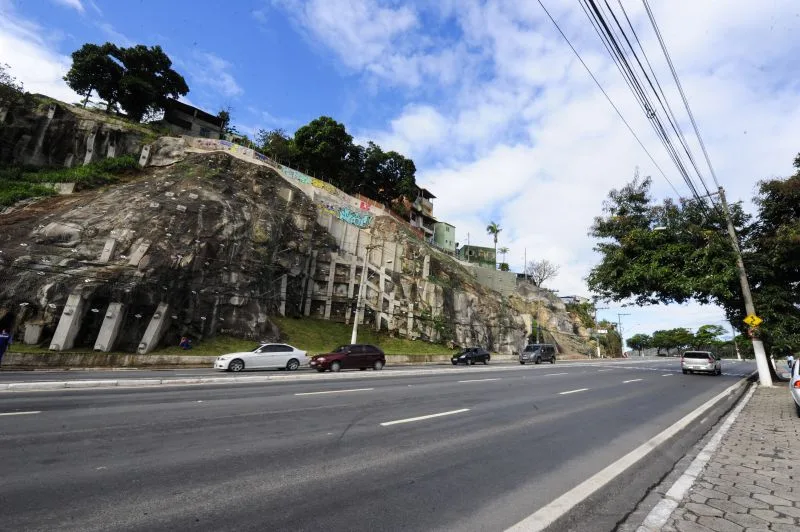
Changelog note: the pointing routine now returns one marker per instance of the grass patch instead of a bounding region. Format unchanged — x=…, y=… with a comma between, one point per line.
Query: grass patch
x=14, y=191
x=320, y=336
x=212, y=347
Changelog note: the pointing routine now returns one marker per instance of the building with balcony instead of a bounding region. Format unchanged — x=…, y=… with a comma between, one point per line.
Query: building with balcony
x=421, y=213
x=184, y=119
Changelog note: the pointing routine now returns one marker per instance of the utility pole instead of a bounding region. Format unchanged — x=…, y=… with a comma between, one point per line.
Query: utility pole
x=597, y=334
x=525, y=265
x=619, y=329
x=764, y=377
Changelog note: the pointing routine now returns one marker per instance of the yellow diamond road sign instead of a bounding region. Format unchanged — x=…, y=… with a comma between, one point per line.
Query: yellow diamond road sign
x=753, y=321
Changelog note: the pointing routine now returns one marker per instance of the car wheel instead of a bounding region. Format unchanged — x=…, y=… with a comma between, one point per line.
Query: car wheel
x=362, y=369
x=486, y=361
x=335, y=367
x=553, y=360
x=471, y=361
x=522, y=363
x=455, y=363
x=321, y=370
x=236, y=365
x=378, y=365
x=684, y=371
x=538, y=360
x=797, y=407
x=292, y=365
x=719, y=371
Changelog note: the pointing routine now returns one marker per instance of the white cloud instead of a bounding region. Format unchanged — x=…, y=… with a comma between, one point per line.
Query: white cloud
x=34, y=61
x=212, y=71
x=74, y=4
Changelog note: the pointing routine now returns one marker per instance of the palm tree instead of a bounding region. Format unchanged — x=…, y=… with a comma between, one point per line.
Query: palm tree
x=494, y=230
x=503, y=250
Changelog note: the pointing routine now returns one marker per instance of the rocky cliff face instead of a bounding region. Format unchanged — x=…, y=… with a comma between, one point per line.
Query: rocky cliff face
x=50, y=133
x=206, y=243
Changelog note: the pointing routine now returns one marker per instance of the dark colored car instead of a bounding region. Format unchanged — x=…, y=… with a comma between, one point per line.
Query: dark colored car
x=538, y=353
x=471, y=356
x=353, y=356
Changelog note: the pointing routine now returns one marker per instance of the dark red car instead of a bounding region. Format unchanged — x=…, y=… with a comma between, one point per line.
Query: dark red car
x=361, y=356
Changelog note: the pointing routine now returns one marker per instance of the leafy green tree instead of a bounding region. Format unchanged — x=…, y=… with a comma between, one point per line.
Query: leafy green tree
x=139, y=78
x=385, y=176
x=707, y=336
x=503, y=251
x=11, y=91
x=611, y=341
x=276, y=143
x=639, y=342
x=96, y=68
x=493, y=230
x=323, y=147
x=679, y=338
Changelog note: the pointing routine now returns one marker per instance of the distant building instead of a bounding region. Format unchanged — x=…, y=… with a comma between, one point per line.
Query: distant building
x=184, y=119
x=479, y=255
x=444, y=237
x=573, y=300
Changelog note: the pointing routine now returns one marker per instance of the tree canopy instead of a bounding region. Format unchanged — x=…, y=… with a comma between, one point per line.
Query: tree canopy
x=140, y=79
x=324, y=149
x=541, y=270
x=675, y=252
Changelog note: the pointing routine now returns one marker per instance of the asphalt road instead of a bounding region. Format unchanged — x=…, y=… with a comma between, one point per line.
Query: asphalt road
x=340, y=455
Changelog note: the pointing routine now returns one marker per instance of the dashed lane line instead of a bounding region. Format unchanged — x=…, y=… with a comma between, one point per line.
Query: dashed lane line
x=421, y=418
x=21, y=413
x=632, y=380
x=667, y=374
x=573, y=391
x=337, y=391
x=481, y=380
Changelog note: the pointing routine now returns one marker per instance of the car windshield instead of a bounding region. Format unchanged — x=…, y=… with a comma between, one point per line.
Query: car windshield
x=532, y=348
x=697, y=354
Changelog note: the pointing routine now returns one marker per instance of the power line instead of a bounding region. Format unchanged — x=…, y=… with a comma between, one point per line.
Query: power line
x=680, y=89
x=608, y=97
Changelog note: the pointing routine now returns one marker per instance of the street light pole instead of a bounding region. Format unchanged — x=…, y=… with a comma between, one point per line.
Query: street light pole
x=764, y=376
x=619, y=327
x=735, y=345
x=354, y=336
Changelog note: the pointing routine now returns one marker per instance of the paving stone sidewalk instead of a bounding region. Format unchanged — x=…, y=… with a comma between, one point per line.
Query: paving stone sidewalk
x=753, y=480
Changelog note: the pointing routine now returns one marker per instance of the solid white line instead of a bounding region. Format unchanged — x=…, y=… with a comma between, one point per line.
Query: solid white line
x=574, y=391
x=420, y=418
x=337, y=391
x=481, y=380
x=21, y=413
x=662, y=511
x=548, y=514
x=667, y=375
x=551, y=374
x=632, y=380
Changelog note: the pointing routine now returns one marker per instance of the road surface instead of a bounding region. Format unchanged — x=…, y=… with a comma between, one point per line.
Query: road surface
x=453, y=450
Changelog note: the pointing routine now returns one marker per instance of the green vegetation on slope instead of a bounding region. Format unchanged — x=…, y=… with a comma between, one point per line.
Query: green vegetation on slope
x=17, y=183
x=319, y=336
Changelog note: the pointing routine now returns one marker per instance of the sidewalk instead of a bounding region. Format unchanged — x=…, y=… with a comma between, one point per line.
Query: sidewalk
x=752, y=480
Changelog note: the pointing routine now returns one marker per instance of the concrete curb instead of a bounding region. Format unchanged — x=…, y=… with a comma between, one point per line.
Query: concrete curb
x=662, y=511
x=250, y=379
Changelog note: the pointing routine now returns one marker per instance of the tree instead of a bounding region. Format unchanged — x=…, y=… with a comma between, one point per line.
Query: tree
x=385, y=176
x=277, y=144
x=679, y=338
x=323, y=147
x=493, y=229
x=503, y=251
x=639, y=342
x=11, y=91
x=541, y=270
x=707, y=336
x=139, y=78
x=96, y=68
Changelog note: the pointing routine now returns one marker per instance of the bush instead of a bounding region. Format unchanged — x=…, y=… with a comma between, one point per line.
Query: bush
x=14, y=191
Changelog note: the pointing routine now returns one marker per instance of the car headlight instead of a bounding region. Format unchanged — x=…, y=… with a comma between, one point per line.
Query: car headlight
x=321, y=359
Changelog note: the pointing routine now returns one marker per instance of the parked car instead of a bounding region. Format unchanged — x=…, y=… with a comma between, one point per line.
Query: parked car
x=794, y=385
x=538, y=353
x=471, y=356
x=702, y=362
x=265, y=356
x=360, y=356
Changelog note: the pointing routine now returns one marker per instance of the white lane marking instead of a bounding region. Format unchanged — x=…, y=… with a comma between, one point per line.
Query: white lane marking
x=337, y=391
x=481, y=380
x=667, y=375
x=602, y=370
x=574, y=391
x=551, y=374
x=548, y=514
x=662, y=511
x=632, y=380
x=21, y=413
x=420, y=418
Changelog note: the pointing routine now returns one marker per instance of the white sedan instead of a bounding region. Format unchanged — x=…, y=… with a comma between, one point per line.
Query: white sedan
x=265, y=356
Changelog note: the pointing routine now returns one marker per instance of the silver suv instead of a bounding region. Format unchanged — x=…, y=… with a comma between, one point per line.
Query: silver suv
x=538, y=353
x=701, y=361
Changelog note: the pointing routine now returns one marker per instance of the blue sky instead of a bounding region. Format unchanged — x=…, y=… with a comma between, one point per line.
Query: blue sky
x=503, y=122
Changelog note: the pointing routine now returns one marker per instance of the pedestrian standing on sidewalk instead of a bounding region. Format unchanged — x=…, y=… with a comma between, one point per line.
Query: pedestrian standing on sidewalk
x=790, y=363
x=5, y=342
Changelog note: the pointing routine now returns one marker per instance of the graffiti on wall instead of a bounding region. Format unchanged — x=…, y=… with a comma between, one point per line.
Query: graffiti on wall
x=297, y=176
x=345, y=214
